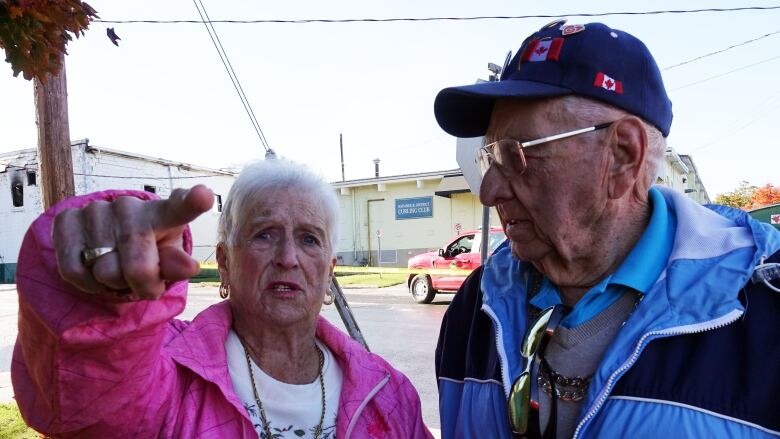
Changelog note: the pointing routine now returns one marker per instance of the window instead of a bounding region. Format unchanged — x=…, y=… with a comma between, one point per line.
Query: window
x=496, y=238
x=31, y=178
x=149, y=188
x=217, y=203
x=17, y=194
x=462, y=245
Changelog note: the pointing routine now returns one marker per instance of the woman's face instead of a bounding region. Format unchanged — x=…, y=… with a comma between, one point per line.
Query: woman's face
x=281, y=264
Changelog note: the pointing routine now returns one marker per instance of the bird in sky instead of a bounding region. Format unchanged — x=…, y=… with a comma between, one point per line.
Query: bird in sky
x=112, y=36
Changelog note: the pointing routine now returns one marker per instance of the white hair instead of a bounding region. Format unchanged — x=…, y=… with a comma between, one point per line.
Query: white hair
x=267, y=176
x=593, y=111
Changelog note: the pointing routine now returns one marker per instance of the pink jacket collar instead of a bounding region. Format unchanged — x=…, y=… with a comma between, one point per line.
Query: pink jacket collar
x=200, y=347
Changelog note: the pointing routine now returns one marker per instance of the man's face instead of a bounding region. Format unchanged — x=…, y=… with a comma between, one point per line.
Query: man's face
x=547, y=212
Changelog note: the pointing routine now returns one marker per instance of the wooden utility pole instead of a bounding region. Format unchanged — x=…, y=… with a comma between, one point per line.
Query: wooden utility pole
x=54, y=154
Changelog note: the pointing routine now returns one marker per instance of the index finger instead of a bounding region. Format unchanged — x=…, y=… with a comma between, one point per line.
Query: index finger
x=182, y=207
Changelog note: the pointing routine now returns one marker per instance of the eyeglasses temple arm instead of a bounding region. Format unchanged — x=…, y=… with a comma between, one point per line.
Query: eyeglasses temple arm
x=565, y=135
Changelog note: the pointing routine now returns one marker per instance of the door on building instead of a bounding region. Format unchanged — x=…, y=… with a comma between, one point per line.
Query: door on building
x=374, y=222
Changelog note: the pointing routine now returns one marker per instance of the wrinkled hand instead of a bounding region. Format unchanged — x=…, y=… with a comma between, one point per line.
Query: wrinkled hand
x=147, y=236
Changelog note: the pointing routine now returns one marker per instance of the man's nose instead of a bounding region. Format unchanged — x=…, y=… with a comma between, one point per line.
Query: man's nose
x=495, y=188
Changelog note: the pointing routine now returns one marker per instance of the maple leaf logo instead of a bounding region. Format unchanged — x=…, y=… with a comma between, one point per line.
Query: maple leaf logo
x=609, y=84
x=540, y=50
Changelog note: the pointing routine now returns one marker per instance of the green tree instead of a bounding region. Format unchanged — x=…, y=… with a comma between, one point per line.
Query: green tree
x=34, y=33
x=741, y=198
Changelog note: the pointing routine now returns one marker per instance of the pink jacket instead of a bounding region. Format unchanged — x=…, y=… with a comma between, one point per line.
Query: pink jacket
x=87, y=369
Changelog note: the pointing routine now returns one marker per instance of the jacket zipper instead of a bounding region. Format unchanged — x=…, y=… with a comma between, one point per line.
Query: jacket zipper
x=709, y=325
x=502, y=360
x=364, y=403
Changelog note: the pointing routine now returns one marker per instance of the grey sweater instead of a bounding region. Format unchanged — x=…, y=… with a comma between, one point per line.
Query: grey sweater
x=577, y=352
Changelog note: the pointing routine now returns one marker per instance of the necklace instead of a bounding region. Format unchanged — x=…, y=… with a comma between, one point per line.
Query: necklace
x=266, y=427
x=548, y=378
x=579, y=385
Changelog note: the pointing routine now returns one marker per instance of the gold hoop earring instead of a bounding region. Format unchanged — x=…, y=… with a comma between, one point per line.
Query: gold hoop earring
x=224, y=290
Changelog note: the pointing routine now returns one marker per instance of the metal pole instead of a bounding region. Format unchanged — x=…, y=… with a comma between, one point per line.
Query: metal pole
x=379, y=253
x=483, y=248
x=340, y=300
x=341, y=146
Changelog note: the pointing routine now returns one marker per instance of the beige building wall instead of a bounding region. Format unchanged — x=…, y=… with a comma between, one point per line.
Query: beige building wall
x=695, y=187
x=674, y=172
x=679, y=173
x=367, y=208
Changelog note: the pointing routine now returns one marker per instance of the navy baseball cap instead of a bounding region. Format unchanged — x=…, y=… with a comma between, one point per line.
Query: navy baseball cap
x=590, y=60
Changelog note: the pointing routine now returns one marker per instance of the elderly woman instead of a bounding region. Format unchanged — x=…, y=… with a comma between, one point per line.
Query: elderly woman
x=99, y=353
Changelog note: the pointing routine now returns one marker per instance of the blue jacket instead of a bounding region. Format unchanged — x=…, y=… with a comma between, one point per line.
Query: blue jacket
x=699, y=357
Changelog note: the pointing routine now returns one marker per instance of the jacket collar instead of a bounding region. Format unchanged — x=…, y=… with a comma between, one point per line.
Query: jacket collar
x=714, y=255
x=200, y=347
x=363, y=372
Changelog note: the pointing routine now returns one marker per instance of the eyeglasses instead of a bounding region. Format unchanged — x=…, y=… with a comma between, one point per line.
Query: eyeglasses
x=523, y=400
x=509, y=152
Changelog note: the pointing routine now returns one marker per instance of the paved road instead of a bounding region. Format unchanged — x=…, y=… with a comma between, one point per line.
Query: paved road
x=8, y=312
x=401, y=331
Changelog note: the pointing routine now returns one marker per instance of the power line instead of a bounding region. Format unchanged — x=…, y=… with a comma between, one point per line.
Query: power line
x=231, y=73
x=724, y=74
x=758, y=112
x=722, y=50
x=422, y=19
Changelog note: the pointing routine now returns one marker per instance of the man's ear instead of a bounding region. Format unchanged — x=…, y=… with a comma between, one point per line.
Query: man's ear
x=629, y=149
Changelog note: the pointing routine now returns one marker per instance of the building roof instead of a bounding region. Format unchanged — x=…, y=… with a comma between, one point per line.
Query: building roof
x=768, y=206
x=10, y=156
x=689, y=161
x=397, y=178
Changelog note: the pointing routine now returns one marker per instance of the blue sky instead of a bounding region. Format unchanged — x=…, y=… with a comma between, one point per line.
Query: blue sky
x=164, y=93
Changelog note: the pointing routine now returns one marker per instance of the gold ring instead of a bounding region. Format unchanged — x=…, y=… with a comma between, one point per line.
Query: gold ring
x=89, y=255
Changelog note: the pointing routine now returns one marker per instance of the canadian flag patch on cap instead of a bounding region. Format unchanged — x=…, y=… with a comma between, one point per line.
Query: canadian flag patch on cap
x=608, y=83
x=543, y=50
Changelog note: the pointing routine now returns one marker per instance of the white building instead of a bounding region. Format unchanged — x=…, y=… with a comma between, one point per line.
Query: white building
x=96, y=169
x=679, y=172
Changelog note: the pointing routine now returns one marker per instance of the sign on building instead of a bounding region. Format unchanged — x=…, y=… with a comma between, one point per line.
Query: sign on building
x=409, y=208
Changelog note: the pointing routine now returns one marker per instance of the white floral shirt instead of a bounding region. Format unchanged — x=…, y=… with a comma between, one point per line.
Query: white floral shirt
x=293, y=410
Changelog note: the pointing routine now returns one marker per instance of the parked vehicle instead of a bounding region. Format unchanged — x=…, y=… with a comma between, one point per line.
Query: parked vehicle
x=462, y=252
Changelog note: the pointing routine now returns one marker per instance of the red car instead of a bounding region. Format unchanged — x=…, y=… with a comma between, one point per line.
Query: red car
x=462, y=252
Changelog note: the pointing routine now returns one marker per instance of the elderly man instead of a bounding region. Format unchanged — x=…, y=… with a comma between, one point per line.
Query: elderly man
x=616, y=308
